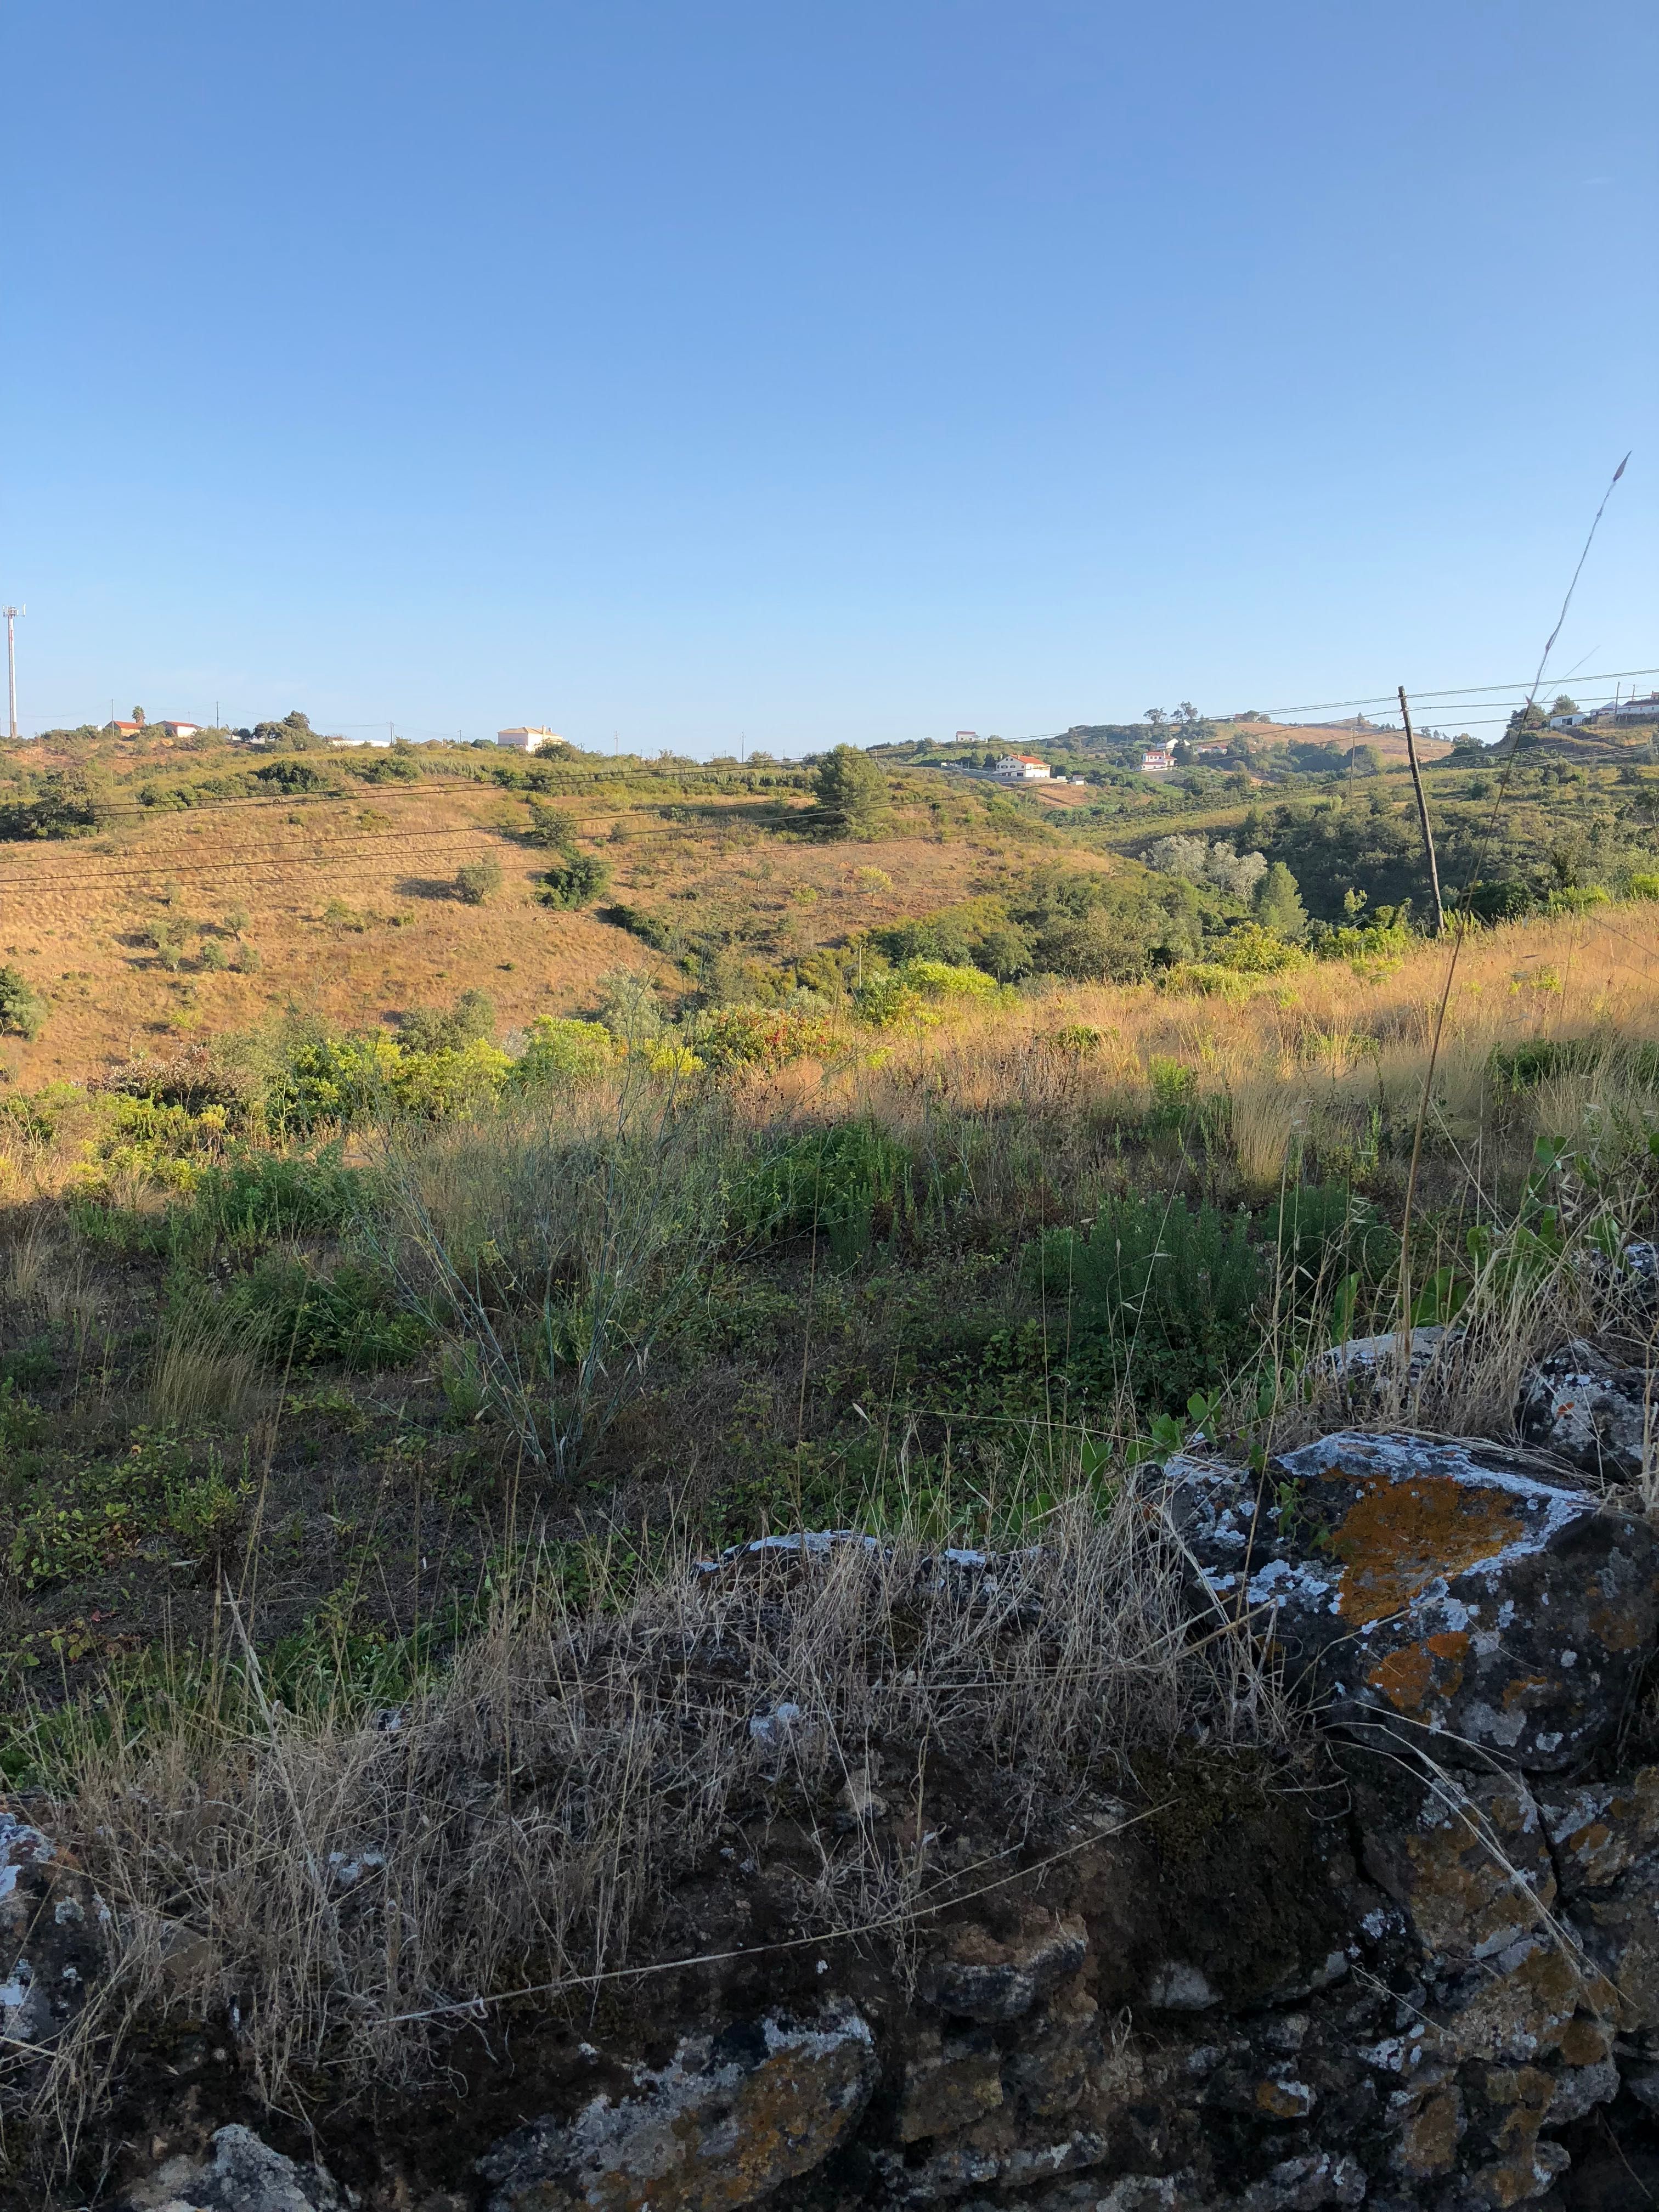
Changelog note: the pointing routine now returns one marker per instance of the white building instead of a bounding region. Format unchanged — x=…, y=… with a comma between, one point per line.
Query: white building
x=1157, y=760
x=527, y=740
x=181, y=729
x=1023, y=768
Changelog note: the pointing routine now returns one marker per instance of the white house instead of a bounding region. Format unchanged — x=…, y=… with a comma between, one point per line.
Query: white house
x=1023, y=768
x=1157, y=760
x=181, y=729
x=526, y=740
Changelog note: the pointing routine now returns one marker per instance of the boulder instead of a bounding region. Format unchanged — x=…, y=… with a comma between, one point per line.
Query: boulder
x=241, y=2173
x=1590, y=1410
x=727, y=2119
x=1440, y=1586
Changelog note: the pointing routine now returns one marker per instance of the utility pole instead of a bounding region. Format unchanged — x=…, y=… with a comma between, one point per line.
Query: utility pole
x=11, y=615
x=1423, y=814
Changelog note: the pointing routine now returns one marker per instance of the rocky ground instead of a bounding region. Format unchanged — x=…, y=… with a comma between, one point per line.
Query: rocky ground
x=1415, y=1964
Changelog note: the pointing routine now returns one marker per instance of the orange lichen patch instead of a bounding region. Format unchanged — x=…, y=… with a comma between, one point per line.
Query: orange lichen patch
x=1409, y=1678
x=1397, y=1537
x=1618, y=1627
x=1521, y=1689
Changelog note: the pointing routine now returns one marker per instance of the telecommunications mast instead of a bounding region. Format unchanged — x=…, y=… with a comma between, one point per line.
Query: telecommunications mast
x=11, y=615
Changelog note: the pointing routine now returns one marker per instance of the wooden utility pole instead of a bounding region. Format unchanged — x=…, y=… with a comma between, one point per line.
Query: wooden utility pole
x=1423, y=814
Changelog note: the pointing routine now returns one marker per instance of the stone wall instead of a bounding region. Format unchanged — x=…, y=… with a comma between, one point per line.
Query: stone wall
x=1417, y=1965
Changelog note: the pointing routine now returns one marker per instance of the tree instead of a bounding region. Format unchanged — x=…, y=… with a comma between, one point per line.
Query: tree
x=476, y=880
x=1564, y=705
x=851, y=793
x=138, y=716
x=1279, y=905
x=1156, y=717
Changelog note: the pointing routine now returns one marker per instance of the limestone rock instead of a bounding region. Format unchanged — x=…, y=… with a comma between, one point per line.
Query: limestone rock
x=1437, y=1584
x=51, y=1934
x=1589, y=1410
x=976, y=1976
x=240, y=2174
x=730, y=2117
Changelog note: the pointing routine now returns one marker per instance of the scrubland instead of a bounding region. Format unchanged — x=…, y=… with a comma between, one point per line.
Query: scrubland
x=368, y=1407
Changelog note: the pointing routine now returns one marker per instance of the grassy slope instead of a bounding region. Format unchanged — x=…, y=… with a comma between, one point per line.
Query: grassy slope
x=143, y=1460
x=77, y=913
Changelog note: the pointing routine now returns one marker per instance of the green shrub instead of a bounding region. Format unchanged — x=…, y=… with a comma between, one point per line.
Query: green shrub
x=264, y=1195
x=558, y=1051
x=1157, y=1296
x=433, y=1028
x=759, y=1037
x=350, y=1317
x=551, y=827
x=576, y=881
x=22, y=1009
x=477, y=880
x=853, y=1184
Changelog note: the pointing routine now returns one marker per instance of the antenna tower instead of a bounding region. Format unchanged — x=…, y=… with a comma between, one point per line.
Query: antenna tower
x=11, y=615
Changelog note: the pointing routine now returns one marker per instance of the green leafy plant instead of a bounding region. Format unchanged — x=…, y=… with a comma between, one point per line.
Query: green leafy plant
x=576, y=881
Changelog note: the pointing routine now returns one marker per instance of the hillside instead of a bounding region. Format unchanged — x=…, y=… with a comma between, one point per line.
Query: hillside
x=346, y=892
x=404, y=1714
x=154, y=896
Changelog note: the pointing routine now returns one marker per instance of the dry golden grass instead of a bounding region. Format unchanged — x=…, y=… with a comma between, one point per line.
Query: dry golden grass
x=343, y=1892
x=80, y=911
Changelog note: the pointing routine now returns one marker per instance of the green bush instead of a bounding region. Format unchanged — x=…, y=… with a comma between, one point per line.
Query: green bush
x=266, y=1195
x=560, y=1051
x=477, y=880
x=853, y=1184
x=22, y=1009
x=759, y=1037
x=433, y=1028
x=576, y=881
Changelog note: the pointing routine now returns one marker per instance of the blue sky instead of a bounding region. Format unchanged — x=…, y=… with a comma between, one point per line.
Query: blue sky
x=855, y=371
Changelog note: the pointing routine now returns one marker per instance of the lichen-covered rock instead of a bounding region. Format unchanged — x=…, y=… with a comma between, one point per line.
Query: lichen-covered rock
x=1438, y=1585
x=52, y=1935
x=1367, y=1366
x=239, y=2174
x=1589, y=1410
x=729, y=2119
x=1468, y=1862
x=1600, y=1830
x=1620, y=1927
x=949, y=2082
x=977, y=1977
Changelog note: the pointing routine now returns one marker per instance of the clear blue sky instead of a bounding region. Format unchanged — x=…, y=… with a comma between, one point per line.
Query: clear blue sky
x=855, y=372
